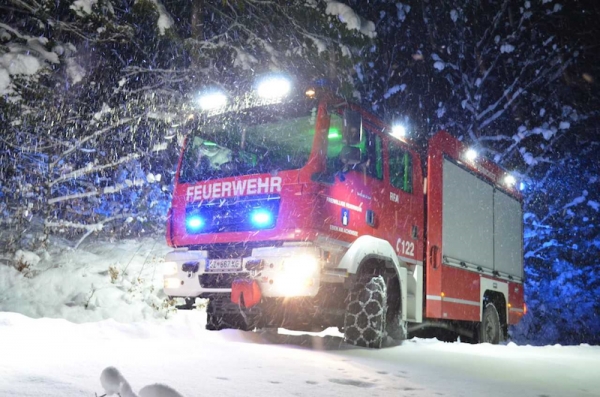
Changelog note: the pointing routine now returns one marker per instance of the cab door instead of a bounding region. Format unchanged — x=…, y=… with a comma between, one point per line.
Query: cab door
x=405, y=206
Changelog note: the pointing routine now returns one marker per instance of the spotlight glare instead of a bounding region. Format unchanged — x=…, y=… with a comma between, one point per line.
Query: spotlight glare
x=510, y=180
x=399, y=131
x=471, y=154
x=212, y=100
x=274, y=87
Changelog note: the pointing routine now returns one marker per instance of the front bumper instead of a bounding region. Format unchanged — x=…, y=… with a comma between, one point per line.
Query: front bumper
x=291, y=270
x=190, y=281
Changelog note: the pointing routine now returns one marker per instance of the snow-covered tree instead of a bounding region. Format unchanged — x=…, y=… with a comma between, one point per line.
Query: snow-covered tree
x=92, y=92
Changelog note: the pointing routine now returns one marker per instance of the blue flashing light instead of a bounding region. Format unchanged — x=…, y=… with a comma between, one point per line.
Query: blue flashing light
x=195, y=223
x=261, y=218
x=522, y=186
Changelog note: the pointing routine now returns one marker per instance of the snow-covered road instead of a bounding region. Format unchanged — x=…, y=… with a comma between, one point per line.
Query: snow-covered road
x=49, y=357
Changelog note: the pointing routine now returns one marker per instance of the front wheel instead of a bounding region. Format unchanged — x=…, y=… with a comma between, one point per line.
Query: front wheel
x=365, y=317
x=490, y=329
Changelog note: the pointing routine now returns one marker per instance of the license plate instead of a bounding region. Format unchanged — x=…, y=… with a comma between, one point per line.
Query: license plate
x=223, y=265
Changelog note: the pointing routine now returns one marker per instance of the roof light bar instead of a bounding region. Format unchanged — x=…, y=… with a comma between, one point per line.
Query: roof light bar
x=212, y=100
x=274, y=87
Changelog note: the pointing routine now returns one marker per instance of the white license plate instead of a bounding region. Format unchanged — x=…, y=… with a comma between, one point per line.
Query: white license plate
x=223, y=265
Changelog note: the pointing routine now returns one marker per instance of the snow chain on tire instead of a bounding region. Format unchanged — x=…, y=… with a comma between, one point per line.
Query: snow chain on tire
x=365, y=318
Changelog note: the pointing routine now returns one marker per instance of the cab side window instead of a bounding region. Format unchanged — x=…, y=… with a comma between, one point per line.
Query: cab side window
x=400, y=168
x=373, y=154
x=371, y=150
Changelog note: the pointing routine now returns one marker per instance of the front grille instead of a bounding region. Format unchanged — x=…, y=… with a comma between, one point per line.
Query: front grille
x=219, y=280
x=233, y=214
x=234, y=250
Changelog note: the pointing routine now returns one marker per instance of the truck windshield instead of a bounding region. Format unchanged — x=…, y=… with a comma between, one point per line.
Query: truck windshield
x=264, y=140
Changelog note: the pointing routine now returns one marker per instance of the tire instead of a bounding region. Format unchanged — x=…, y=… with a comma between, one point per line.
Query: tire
x=396, y=328
x=222, y=315
x=364, y=320
x=490, y=328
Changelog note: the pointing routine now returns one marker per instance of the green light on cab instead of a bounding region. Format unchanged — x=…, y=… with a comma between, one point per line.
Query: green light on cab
x=334, y=133
x=208, y=143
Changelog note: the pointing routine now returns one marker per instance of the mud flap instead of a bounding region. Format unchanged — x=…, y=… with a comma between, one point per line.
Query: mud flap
x=245, y=293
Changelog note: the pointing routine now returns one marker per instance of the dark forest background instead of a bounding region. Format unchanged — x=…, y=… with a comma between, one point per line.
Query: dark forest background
x=93, y=94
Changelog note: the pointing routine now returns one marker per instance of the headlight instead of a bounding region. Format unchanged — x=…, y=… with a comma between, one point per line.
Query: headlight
x=171, y=283
x=298, y=275
x=169, y=268
x=301, y=266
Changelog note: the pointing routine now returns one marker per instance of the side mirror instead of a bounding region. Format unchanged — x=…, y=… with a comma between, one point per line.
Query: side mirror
x=352, y=131
x=350, y=155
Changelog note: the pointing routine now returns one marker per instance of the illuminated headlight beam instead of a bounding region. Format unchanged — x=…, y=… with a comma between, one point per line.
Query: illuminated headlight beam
x=169, y=268
x=171, y=283
x=298, y=275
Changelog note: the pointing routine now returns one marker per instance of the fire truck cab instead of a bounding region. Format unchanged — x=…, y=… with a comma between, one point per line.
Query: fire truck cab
x=310, y=212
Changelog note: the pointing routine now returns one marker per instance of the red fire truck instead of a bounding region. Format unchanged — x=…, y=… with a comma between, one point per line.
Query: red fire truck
x=306, y=212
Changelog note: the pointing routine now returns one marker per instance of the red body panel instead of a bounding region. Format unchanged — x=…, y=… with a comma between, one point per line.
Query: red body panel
x=454, y=283
x=461, y=294
x=516, y=300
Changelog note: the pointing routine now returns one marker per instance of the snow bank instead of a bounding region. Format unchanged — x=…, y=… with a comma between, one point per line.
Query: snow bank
x=101, y=280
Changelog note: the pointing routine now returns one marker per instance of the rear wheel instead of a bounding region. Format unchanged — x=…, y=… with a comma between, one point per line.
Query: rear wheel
x=364, y=321
x=490, y=328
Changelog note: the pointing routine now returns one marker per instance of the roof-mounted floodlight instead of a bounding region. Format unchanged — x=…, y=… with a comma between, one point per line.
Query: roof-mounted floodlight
x=398, y=131
x=212, y=100
x=274, y=87
x=510, y=180
x=471, y=154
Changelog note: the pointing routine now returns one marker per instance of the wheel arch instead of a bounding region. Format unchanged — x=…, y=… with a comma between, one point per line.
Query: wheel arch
x=499, y=301
x=371, y=255
x=496, y=292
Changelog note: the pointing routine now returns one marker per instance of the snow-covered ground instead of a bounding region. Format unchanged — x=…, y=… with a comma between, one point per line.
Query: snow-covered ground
x=51, y=357
x=150, y=343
